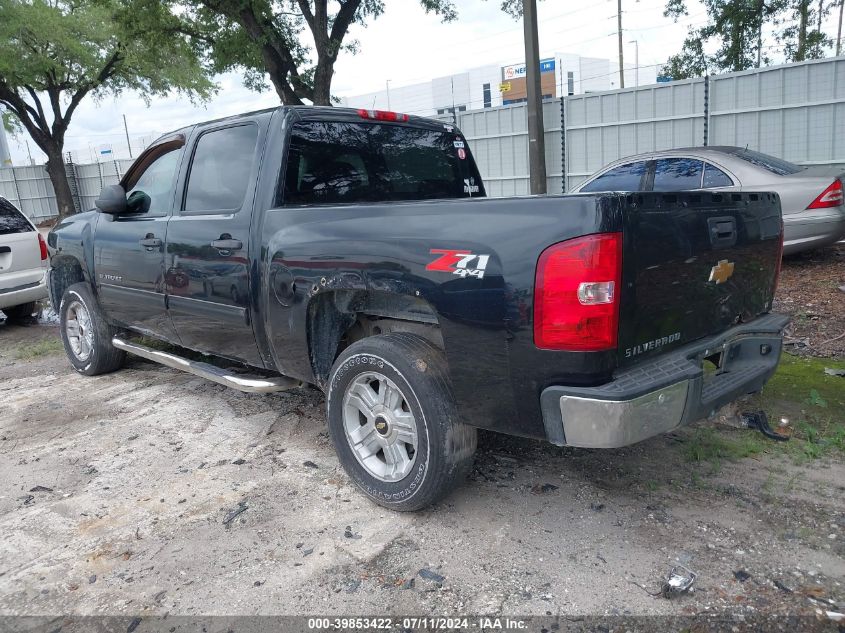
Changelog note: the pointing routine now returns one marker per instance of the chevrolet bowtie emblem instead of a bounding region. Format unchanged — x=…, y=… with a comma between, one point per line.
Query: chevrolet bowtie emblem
x=722, y=271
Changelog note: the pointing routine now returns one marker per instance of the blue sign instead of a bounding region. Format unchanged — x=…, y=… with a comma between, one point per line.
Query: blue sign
x=103, y=152
x=663, y=80
x=547, y=65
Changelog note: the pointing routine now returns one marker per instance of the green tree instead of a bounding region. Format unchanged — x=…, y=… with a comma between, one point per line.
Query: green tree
x=737, y=27
x=54, y=54
x=294, y=43
x=800, y=40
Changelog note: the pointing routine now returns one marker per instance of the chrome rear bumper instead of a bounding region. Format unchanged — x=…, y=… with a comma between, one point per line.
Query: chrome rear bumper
x=657, y=396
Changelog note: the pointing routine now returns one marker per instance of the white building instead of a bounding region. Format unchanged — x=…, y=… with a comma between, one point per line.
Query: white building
x=496, y=85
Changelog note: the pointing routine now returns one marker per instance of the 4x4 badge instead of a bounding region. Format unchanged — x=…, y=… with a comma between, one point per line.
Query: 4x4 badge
x=722, y=271
x=458, y=262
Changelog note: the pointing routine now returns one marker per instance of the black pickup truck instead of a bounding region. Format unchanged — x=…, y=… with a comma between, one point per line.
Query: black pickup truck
x=355, y=251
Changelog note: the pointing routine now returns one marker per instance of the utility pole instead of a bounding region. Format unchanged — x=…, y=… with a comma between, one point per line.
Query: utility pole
x=619, y=36
x=536, y=140
x=387, y=83
x=126, y=129
x=839, y=32
x=636, y=44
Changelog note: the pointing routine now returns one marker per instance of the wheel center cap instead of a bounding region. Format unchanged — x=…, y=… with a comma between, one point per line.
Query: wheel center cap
x=382, y=426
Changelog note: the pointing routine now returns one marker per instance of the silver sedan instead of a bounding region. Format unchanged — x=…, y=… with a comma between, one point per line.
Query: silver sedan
x=811, y=197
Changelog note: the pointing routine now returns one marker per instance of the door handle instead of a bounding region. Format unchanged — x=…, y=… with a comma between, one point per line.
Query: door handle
x=150, y=241
x=227, y=244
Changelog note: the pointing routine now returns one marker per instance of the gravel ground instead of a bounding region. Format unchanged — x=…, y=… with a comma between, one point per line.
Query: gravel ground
x=812, y=292
x=149, y=491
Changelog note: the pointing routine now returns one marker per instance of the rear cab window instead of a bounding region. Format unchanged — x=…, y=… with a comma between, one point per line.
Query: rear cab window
x=12, y=220
x=336, y=162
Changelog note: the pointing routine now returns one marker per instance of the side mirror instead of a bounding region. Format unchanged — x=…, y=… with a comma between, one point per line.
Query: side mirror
x=112, y=200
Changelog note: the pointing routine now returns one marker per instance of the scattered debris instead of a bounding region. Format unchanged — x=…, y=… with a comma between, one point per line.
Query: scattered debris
x=542, y=489
x=348, y=533
x=27, y=499
x=309, y=464
x=258, y=583
x=596, y=507
x=233, y=514
x=742, y=575
x=408, y=584
x=41, y=489
x=679, y=580
x=92, y=579
x=777, y=583
x=307, y=552
x=834, y=372
x=133, y=625
x=427, y=574
x=239, y=461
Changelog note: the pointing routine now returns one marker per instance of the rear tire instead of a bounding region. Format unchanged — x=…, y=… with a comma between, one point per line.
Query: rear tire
x=86, y=334
x=20, y=313
x=393, y=421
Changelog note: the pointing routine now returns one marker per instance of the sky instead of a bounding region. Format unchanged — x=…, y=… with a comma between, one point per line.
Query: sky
x=405, y=46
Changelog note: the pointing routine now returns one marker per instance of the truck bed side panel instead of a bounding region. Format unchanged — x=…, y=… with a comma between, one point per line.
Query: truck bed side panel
x=486, y=322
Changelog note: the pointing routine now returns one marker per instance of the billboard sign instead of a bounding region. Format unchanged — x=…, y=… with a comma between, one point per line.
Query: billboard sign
x=517, y=71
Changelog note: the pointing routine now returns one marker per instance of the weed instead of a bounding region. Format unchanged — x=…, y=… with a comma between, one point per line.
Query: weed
x=41, y=348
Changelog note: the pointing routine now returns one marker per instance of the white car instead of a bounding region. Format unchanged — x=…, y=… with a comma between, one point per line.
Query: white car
x=23, y=263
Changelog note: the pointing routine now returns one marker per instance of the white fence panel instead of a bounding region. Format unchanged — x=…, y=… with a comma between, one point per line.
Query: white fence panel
x=795, y=112
x=603, y=127
x=499, y=141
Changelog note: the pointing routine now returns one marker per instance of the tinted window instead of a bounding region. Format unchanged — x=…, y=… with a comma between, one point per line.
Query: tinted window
x=677, y=174
x=769, y=163
x=12, y=220
x=622, y=178
x=335, y=162
x=715, y=177
x=157, y=182
x=220, y=171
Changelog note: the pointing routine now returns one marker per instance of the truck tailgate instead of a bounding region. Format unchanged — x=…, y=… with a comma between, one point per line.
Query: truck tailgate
x=694, y=264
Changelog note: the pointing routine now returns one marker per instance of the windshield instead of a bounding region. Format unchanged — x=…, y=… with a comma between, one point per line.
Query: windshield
x=769, y=163
x=341, y=162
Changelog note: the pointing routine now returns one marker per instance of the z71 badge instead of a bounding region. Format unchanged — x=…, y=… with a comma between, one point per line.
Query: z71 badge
x=462, y=263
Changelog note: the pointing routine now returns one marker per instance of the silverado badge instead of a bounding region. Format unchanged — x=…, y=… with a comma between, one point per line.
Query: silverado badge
x=722, y=271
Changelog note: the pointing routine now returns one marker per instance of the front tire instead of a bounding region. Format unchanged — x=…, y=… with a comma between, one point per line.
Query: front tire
x=393, y=421
x=86, y=334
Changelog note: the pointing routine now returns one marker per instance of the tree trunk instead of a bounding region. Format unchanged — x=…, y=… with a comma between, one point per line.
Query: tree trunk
x=323, y=83
x=61, y=186
x=803, y=11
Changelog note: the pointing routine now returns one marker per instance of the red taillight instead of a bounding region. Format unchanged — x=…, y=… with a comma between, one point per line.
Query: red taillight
x=576, y=294
x=830, y=197
x=382, y=115
x=43, y=245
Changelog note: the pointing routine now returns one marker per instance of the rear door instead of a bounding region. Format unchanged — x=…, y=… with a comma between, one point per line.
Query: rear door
x=694, y=264
x=207, y=260
x=21, y=265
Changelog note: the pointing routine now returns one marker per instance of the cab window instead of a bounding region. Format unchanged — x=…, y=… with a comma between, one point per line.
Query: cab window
x=623, y=178
x=677, y=174
x=715, y=177
x=221, y=169
x=153, y=190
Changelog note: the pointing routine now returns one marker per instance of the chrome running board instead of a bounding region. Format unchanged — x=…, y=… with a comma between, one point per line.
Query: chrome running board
x=250, y=384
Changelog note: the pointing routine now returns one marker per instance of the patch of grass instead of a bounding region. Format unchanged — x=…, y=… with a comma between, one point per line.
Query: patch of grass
x=714, y=446
x=813, y=401
x=41, y=348
x=802, y=381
